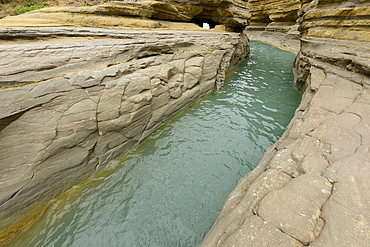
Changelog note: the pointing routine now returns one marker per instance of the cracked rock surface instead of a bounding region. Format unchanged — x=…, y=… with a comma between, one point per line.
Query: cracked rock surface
x=73, y=98
x=312, y=187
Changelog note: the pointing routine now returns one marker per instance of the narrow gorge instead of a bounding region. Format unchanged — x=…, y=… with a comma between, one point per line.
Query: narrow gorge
x=80, y=86
x=204, y=151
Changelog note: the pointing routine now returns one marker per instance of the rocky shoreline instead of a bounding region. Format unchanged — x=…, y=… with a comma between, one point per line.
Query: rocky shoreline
x=284, y=41
x=73, y=81
x=311, y=188
x=73, y=98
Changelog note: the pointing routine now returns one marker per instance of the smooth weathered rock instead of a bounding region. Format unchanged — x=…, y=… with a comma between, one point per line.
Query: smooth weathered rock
x=243, y=200
x=254, y=227
x=232, y=13
x=272, y=10
x=275, y=22
x=73, y=98
x=325, y=149
x=310, y=188
x=295, y=208
x=346, y=214
x=284, y=40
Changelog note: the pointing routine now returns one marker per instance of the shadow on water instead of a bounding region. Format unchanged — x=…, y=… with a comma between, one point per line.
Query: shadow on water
x=170, y=189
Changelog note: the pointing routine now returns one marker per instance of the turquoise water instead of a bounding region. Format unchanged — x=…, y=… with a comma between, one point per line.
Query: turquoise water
x=170, y=189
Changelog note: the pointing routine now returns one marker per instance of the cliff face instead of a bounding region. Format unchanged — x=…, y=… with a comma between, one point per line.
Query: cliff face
x=334, y=66
x=337, y=34
x=275, y=21
x=267, y=11
x=312, y=188
x=275, y=15
x=73, y=98
x=234, y=14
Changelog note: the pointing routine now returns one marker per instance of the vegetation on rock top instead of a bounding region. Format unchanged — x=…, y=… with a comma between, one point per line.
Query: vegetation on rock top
x=16, y=7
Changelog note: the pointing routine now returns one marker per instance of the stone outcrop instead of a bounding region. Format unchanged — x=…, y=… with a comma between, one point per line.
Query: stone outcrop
x=73, y=97
x=334, y=66
x=275, y=15
x=266, y=11
x=232, y=13
x=77, y=96
x=275, y=21
x=312, y=187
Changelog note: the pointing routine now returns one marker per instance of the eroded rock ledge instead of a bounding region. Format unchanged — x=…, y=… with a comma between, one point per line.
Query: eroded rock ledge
x=73, y=97
x=234, y=14
x=312, y=187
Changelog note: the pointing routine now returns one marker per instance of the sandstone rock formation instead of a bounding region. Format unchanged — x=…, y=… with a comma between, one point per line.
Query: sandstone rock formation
x=267, y=11
x=73, y=97
x=275, y=21
x=312, y=187
x=232, y=13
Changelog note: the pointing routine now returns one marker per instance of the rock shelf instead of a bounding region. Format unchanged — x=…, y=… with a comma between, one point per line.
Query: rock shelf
x=311, y=188
x=73, y=98
x=79, y=86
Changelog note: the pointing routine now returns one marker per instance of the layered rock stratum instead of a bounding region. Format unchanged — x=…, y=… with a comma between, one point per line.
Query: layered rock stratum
x=76, y=91
x=266, y=11
x=312, y=187
x=234, y=14
x=79, y=86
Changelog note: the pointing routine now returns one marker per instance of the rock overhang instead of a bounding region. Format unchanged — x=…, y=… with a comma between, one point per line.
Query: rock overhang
x=79, y=62
x=234, y=15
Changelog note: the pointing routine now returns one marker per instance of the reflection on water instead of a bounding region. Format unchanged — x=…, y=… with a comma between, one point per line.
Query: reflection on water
x=170, y=189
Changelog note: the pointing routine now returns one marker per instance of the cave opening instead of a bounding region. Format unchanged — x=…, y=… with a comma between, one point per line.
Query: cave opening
x=205, y=23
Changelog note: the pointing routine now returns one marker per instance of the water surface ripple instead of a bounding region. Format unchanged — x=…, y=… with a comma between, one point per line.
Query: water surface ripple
x=170, y=189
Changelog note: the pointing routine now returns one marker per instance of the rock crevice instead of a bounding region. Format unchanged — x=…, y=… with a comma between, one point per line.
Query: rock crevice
x=74, y=98
x=323, y=157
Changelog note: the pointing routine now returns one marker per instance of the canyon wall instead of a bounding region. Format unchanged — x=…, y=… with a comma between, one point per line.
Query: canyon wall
x=312, y=187
x=266, y=11
x=275, y=22
x=74, y=97
x=80, y=86
x=234, y=14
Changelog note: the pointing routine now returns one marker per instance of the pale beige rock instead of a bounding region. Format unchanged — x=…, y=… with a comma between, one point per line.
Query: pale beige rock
x=327, y=141
x=295, y=208
x=271, y=10
x=314, y=163
x=138, y=84
x=21, y=176
x=347, y=212
x=233, y=15
x=91, y=98
x=251, y=231
x=108, y=98
x=240, y=204
x=282, y=40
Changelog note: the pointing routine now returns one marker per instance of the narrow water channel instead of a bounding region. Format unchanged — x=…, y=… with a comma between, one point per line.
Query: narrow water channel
x=170, y=189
